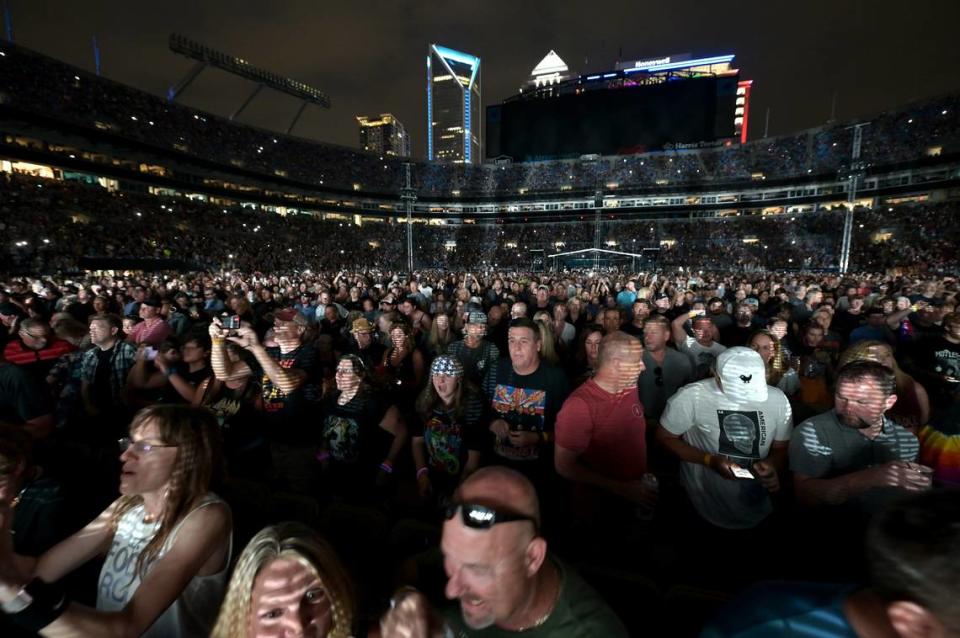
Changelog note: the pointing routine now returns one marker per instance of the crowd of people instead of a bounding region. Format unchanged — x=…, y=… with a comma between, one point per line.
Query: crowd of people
x=54, y=226
x=223, y=421
x=568, y=454
x=37, y=84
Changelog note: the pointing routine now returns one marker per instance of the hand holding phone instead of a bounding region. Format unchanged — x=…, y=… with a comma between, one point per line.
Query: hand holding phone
x=742, y=473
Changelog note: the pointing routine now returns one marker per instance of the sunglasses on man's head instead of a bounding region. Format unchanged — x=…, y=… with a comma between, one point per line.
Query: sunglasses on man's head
x=483, y=517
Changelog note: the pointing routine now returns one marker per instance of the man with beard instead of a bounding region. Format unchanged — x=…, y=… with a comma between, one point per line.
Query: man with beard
x=744, y=323
x=854, y=453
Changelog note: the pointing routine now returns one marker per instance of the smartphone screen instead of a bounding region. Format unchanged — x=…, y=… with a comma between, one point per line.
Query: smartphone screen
x=740, y=472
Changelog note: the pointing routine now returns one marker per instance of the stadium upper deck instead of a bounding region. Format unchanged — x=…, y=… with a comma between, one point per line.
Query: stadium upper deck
x=40, y=89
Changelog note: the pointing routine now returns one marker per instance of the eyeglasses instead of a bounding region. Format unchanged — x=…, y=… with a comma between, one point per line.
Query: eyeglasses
x=139, y=447
x=482, y=517
x=26, y=333
x=658, y=376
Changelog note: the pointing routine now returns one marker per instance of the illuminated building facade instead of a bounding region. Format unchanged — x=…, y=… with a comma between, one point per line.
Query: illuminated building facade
x=453, y=106
x=385, y=135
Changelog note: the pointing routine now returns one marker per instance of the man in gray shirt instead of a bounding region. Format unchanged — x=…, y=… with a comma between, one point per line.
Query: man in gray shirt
x=666, y=370
x=853, y=453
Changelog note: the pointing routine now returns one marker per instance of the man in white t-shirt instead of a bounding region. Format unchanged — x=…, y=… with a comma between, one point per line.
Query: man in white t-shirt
x=732, y=433
x=701, y=346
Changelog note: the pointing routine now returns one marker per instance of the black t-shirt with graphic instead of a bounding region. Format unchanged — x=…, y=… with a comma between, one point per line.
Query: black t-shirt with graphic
x=528, y=402
x=940, y=357
x=287, y=414
x=448, y=439
x=351, y=433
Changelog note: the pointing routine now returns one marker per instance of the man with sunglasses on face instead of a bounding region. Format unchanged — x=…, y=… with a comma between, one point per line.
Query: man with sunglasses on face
x=500, y=571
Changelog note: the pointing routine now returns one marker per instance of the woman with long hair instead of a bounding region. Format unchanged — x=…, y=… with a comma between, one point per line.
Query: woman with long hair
x=447, y=435
x=440, y=336
x=403, y=363
x=548, y=342
x=779, y=372
x=167, y=540
x=362, y=433
x=587, y=354
x=912, y=409
x=288, y=581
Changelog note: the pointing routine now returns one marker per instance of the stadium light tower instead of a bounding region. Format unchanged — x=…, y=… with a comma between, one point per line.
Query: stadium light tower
x=205, y=56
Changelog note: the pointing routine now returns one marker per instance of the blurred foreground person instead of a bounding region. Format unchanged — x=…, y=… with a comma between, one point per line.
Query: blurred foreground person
x=287, y=582
x=167, y=540
x=912, y=551
x=499, y=570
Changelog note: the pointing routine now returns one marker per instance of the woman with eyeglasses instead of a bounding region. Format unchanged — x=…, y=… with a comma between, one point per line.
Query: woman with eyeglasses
x=361, y=434
x=167, y=541
x=288, y=581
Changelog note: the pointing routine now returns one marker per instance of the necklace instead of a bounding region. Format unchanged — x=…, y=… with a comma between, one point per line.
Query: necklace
x=546, y=615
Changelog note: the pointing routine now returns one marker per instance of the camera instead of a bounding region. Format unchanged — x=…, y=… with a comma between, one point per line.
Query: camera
x=231, y=322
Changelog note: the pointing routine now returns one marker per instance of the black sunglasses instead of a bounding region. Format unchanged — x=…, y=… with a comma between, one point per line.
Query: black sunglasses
x=658, y=375
x=483, y=517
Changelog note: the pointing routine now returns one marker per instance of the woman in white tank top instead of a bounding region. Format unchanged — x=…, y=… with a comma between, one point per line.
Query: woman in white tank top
x=167, y=540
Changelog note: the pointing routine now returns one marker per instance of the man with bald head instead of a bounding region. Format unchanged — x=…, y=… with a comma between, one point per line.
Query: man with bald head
x=500, y=571
x=601, y=443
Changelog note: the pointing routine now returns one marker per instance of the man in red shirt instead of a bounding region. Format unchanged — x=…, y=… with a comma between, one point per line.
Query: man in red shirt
x=600, y=436
x=36, y=349
x=153, y=329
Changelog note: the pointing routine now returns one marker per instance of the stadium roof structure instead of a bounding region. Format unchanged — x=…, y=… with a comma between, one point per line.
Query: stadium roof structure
x=205, y=56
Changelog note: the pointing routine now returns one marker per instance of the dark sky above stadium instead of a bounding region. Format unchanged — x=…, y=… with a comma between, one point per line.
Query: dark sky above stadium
x=369, y=56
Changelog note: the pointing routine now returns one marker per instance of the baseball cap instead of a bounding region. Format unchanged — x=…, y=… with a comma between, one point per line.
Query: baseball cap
x=477, y=317
x=7, y=308
x=361, y=325
x=742, y=374
x=153, y=302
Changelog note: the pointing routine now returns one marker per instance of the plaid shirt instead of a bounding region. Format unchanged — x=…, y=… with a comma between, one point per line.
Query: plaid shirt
x=121, y=360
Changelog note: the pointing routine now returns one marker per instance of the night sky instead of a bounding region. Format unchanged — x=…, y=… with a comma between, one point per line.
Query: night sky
x=369, y=57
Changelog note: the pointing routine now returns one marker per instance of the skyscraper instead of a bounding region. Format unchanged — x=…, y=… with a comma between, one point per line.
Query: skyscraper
x=453, y=106
x=385, y=135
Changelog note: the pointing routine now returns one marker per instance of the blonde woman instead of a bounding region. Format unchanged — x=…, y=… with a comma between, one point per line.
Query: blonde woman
x=548, y=347
x=167, y=541
x=912, y=408
x=779, y=373
x=288, y=582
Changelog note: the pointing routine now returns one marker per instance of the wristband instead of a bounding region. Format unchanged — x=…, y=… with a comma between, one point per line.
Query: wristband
x=46, y=603
x=218, y=341
x=421, y=472
x=170, y=372
x=387, y=466
x=707, y=458
x=322, y=456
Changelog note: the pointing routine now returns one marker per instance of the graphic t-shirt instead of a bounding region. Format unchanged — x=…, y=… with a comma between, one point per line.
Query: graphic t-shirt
x=286, y=412
x=527, y=402
x=941, y=357
x=743, y=431
x=351, y=432
x=448, y=439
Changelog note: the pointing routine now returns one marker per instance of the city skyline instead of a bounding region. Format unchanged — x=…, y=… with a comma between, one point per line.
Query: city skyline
x=855, y=59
